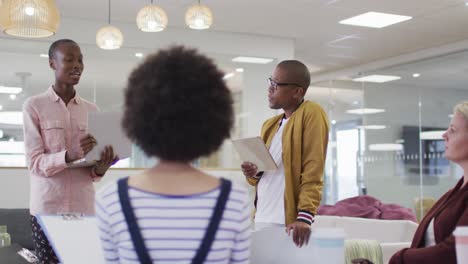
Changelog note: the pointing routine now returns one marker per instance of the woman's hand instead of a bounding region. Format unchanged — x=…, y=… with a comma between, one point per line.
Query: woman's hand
x=87, y=143
x=107, y=160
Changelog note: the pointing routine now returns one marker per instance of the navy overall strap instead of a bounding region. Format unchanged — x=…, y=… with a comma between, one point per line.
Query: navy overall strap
x=137, y=238
x=135, y=234
x=214, y=223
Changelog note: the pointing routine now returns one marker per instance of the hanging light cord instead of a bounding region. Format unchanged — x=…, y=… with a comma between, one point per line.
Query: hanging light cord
x=109, y=11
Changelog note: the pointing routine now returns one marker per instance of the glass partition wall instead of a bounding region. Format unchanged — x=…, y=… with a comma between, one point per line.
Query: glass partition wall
x=385, y=136
x=103, y=82
x=386, y=133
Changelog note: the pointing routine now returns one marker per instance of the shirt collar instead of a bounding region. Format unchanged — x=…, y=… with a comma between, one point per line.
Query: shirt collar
x=283, y=117
x=55, y=98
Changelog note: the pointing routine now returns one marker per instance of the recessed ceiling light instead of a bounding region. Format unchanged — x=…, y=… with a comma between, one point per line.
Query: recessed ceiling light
x=432, y=135
x=365, y=111
x=341, y=56
x=252, y=60
x=240, y=70
x=138, y=54
x=355, y=102
x=416, y=75
x=42, y=55
x=10, y=90
x=228, y=75
x=333, y=122
x=372, y=127
x=339, y=46
x=386, y=147
x=377, y=78
x=12, y=97
x=450, y=116
x=375, y=20
x=1, y=107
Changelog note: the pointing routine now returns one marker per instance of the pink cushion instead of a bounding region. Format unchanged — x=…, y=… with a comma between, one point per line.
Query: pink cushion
x=366, y=206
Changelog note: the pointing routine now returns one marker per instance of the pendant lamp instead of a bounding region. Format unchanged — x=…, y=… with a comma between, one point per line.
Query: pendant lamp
x=109, y=37
x=151, y=18
x=29, y=18
x=199, y=16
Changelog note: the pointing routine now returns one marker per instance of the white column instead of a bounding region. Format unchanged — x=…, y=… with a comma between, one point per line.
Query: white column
x=255, y=108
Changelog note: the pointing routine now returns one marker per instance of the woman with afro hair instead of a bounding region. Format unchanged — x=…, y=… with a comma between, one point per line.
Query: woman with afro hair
x=177, y=108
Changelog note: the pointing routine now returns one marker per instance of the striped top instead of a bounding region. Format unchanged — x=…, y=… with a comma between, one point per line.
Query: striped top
x=174, y=225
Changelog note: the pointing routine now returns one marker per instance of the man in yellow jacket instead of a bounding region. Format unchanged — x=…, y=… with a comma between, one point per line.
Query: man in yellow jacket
x=297, y=141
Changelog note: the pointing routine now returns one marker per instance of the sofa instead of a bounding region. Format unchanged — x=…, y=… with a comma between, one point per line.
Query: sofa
x=392, y=235
x=18, y=223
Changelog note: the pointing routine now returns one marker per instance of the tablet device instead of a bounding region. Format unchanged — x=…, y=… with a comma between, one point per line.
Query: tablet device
x=254, y=150
x=106, y=128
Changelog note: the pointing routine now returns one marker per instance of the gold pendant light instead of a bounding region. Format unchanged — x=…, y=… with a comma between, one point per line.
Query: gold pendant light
x=29, y=18
x=109, y=37
x=151, y=18
x=199, y=16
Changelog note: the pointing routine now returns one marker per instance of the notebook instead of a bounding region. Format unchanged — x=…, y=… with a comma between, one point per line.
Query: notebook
x=74, y=238
x=254, y=150
x=106, y=129
x=273, y=246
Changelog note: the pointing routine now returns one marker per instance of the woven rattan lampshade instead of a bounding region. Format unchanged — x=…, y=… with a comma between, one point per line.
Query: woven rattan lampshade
x=29, y=18
x=109, y=38
x=151, y=18
x=198, y=16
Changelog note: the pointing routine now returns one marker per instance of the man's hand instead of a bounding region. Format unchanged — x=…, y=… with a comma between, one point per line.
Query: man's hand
x=300, y=231
x=107, y=159
x=249, y=169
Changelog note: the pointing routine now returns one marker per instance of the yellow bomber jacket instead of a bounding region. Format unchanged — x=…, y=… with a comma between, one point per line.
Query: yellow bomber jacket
x=304, y=140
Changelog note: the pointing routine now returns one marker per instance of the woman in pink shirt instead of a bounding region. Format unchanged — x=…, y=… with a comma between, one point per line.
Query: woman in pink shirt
x=55, y=133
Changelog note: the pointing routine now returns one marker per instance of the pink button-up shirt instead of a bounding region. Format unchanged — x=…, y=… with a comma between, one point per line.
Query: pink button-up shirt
x=50, y=129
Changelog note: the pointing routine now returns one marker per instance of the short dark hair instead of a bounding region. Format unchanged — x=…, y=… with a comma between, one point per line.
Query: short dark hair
x=177, y=105
x=53, y=47
x=298, y=70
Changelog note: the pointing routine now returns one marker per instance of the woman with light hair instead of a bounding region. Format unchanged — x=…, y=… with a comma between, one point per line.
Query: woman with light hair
x=433, y=241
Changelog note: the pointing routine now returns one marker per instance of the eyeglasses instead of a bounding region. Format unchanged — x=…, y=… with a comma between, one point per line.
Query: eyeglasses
x=273, y=85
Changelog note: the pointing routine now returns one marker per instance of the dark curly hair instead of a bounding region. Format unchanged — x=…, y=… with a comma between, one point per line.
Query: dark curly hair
x=177, y=105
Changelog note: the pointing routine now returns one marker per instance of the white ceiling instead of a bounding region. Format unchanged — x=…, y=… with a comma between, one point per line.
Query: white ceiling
x=313, y=24
x=310, y=25
x=444, y=72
